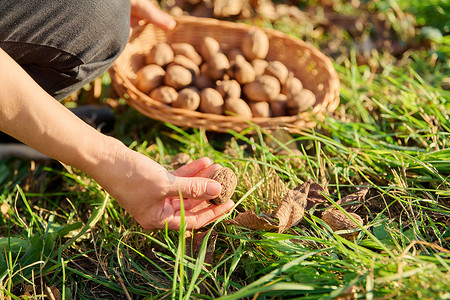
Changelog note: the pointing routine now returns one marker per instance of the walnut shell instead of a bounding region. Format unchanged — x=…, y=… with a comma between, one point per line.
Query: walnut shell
x=188, y=98
x=202, y=81
x=229, y=89
x=193, y=2
x=233, y=53
x=218, y=64
x=260, y=109
x=183, y=61
x=255, y=44
x=264, y=88
x=259, y=65
x=149, y=77
x=278, y=70
x=187, y=50
x=227, y=8
x=278, y=106
x=164, y=94
x=226, y=177
x=337, y=220
x=242, y=70
x=204, y=69
x=177, y=77
x=176, y=11
x=161, y=55
x=292, y=86
x=300, y=102
x=209, y=47
x=237, y=106
x=211, y=101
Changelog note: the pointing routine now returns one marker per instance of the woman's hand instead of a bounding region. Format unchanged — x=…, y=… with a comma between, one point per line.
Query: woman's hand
x=197, y=211
x=146, y=10
x=150, y=193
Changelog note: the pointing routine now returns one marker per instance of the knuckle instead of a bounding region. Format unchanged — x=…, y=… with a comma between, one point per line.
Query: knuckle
x=196, y=189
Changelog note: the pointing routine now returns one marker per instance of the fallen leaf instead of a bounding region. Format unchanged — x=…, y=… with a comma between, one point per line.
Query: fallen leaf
x=281, y=136
x=52, y=292
x=194, y=241
x=354, y=198
x=28, y=290
x=337, y=220
x=32, y=290
x=292, y=207
x=315, y=195
x=250, y=220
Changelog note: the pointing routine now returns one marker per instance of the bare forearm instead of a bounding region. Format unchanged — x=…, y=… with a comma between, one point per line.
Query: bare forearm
x=29, y=114
x=143, y=187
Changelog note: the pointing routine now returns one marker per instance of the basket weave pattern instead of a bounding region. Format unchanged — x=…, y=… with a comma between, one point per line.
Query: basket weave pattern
x=307, y=63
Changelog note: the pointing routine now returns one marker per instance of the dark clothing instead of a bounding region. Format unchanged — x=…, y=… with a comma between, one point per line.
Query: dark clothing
x=64, y=44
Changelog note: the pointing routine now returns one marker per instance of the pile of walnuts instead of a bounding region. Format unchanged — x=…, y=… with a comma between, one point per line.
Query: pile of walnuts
x=238, y=81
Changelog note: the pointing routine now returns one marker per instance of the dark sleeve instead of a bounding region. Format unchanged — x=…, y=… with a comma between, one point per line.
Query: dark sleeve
x=64, y=44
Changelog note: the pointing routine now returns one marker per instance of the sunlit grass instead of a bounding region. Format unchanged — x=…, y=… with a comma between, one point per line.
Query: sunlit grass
x=86, y=235
x=391, y=131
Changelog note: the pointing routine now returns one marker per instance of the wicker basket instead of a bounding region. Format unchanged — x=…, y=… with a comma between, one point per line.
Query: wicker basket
x=313, y=68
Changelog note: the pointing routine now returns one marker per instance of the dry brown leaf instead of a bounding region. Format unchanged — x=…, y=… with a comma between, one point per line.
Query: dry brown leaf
x=280, y=136
x=50, y=292
x=53, y=293
x=337, y=220
x=250, y=220
x=355, y=197
x=315, y=194
x=292, y=207
x=194, y=242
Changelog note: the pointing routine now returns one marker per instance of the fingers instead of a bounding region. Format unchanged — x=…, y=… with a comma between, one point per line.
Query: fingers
x=194, y=168
x=189, y=204
x=197, y=188
x=207, y=172
x=188, y=172
x=198, y=219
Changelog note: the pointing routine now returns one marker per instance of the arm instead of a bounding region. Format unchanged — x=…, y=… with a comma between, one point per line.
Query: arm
x=143, y=187
x=31, y=115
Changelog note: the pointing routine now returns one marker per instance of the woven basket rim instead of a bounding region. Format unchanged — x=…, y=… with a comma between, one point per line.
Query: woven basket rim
x=155, y=109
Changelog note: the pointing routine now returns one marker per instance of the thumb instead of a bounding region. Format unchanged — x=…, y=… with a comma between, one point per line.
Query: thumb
x=198, y=188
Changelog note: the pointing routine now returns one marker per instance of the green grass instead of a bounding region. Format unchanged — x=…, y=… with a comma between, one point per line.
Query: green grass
x=391, y=130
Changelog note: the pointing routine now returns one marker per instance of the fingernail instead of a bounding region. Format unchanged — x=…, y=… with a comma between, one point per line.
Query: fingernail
x=171, y=24
x=213, y=188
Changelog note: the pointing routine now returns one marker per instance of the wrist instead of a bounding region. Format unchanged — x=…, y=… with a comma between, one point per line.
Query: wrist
x=103, y=156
